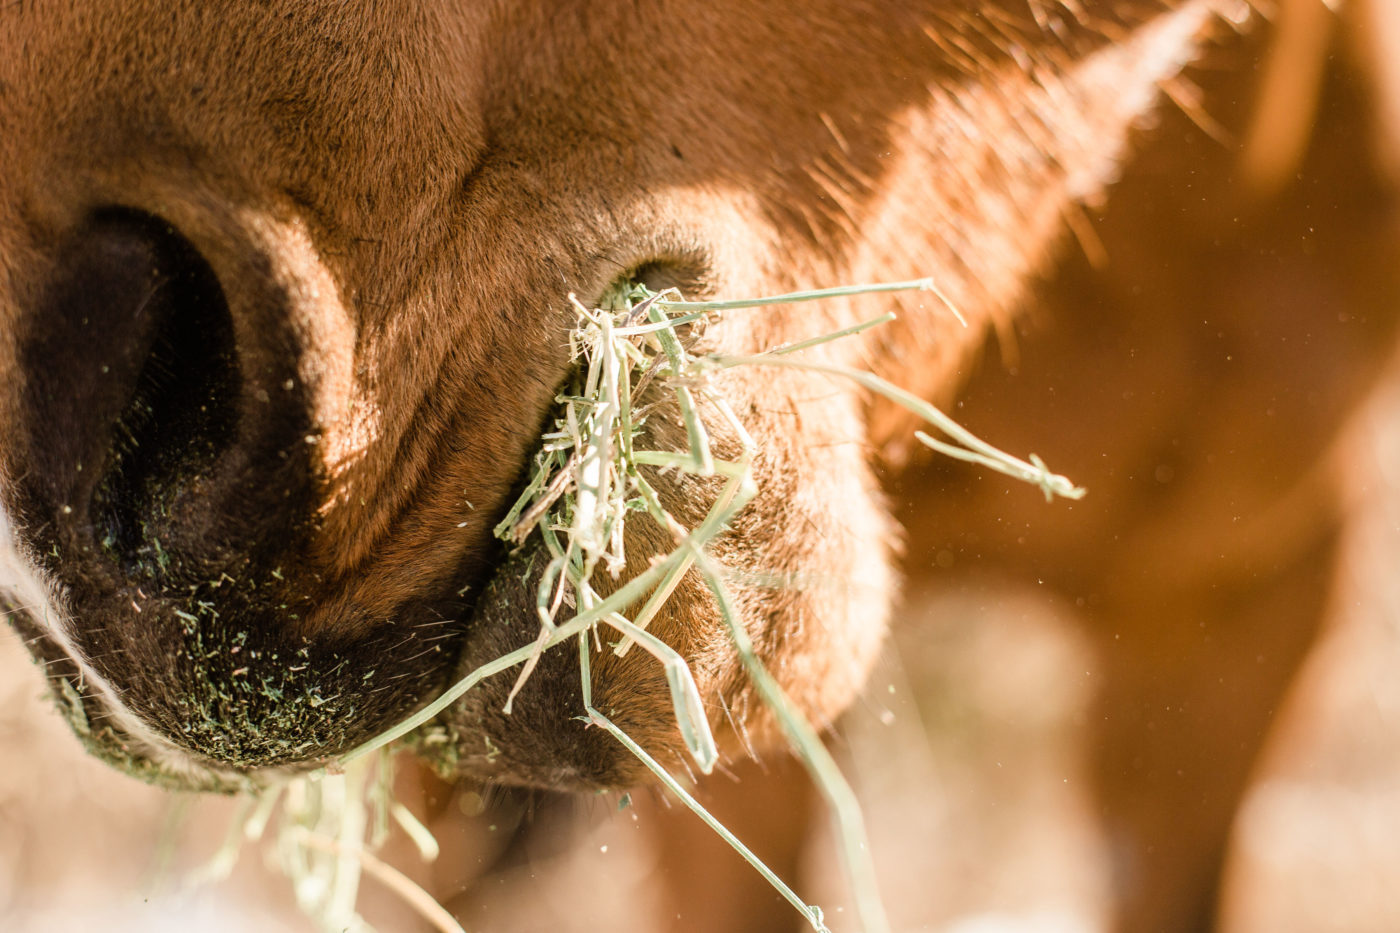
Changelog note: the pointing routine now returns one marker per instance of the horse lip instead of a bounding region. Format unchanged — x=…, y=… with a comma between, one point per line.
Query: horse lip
x=113, y=733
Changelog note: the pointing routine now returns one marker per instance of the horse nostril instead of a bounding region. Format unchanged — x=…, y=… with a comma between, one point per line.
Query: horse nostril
x=181, y=413
x=133, y=378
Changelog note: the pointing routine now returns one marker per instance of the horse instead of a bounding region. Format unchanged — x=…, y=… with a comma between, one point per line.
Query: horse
x=285, y=308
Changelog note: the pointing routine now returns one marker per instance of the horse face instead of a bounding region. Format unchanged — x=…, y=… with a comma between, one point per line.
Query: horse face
x=284, y=308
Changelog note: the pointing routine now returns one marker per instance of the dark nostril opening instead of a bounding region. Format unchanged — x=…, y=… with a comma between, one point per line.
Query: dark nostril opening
x=131, y=387
x=180, y=411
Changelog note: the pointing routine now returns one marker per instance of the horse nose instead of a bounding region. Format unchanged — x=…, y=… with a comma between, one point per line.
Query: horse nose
x=135, y=400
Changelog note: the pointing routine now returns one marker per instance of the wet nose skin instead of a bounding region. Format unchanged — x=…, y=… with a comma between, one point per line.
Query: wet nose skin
x=162, y=481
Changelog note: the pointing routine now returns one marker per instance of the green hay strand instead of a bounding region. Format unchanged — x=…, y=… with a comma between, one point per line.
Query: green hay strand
x=585, y=485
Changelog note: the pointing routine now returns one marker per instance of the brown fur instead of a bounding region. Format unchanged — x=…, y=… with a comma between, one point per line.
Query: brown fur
x=394, y=205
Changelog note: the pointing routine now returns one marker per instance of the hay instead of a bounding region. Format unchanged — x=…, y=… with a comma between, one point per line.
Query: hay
x=585, y=485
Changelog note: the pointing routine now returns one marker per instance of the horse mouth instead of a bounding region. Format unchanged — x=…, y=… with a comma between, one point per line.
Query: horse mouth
x=197, y=695
x=111, y=732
